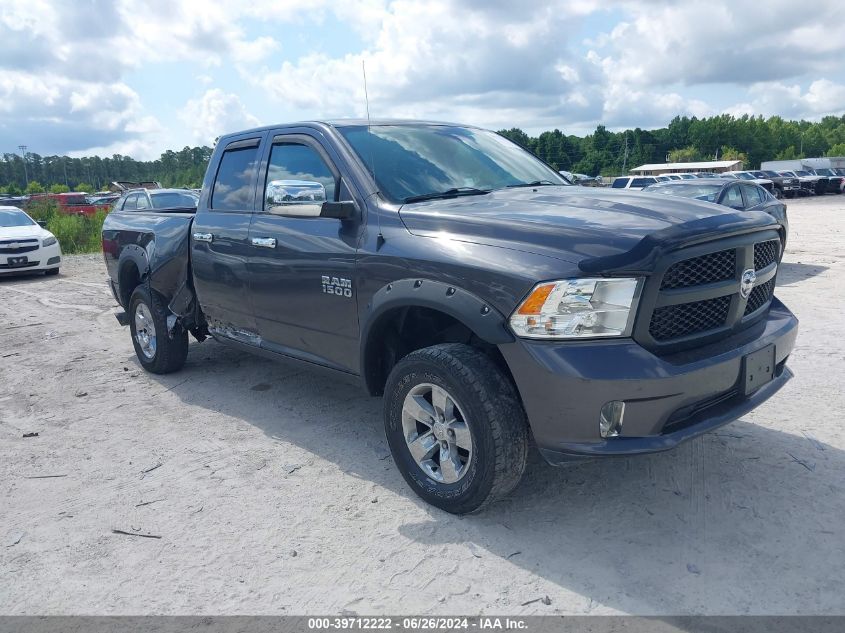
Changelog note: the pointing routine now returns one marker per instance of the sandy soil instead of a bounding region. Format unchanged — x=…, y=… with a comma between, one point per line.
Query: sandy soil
x=273, y=491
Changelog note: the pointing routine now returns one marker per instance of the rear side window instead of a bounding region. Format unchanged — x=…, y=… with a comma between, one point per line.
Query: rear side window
x=234, y=185
x=619, y=183
x=143, y=203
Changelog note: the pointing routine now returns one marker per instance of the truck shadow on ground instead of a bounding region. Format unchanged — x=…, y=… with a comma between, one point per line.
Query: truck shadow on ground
x=792, y=273
x=747, y=519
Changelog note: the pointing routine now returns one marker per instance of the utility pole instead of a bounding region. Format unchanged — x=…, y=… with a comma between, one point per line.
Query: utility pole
x=801, y=151
x=22, y=148
x=625, y=155
x=64, y=164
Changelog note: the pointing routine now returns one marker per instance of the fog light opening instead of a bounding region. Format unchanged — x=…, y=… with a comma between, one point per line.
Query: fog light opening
x=610, y=418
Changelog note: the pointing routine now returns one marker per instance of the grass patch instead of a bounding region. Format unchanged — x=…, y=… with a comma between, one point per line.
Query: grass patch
x=76, y=233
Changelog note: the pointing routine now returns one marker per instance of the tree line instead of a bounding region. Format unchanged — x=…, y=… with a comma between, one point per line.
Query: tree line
x=185, y=168
x=747, y=138
x=752, y=139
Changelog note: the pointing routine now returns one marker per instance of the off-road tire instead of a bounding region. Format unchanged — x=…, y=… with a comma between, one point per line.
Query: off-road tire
x=493, y=414
x=171, y=349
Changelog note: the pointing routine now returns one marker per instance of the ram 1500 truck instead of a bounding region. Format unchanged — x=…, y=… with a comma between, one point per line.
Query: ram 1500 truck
x=467, y=282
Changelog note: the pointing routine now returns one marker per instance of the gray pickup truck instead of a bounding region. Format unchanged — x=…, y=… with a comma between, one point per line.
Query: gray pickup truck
x=472, y=286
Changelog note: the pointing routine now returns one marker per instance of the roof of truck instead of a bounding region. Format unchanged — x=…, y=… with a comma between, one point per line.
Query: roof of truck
x=346, y=123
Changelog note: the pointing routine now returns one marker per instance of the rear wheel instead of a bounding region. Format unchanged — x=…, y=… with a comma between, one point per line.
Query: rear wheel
x=778, y=193
x=456, y=429
x=158, y=351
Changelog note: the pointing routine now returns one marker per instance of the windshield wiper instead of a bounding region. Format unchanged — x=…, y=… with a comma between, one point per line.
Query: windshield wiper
x=536, y=183
x=449, y=193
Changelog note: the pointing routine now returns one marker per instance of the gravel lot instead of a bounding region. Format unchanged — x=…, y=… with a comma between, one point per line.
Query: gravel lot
x=273, y=491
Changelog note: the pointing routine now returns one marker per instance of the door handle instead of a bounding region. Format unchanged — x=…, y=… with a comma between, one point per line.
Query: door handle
x=264, y=242
x=204, y=237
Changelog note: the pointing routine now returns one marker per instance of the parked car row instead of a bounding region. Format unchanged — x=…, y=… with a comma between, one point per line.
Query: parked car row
x=782, y=184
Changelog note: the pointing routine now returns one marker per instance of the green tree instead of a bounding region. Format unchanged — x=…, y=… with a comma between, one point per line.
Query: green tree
x=731, y=153
x=13, y=190
x=84, y=186
x=34, y=187
x=57, y=188
x=837, y=150
x=684, y=155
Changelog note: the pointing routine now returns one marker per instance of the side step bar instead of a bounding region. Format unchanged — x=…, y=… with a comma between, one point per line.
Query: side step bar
x=122, y=318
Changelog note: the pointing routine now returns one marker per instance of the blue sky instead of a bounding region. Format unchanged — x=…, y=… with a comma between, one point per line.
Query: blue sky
x=119, y=76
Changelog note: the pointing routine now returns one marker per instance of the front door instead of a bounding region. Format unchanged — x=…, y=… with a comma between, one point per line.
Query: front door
x=220, y=243
x=302, y=266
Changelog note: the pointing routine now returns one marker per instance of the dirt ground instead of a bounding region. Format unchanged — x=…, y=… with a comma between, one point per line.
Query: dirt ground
x=273, y=491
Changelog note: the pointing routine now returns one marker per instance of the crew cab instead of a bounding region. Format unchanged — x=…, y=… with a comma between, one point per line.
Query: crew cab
x=486, y=298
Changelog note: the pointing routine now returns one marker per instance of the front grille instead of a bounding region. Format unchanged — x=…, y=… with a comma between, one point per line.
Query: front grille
x=696, y=271
x=684, y=319
x=765, y=253
x=26, y=246
x=759, y=296
x=694, y=297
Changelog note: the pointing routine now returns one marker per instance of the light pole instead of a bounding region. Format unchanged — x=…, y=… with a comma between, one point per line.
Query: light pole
x=22, y=148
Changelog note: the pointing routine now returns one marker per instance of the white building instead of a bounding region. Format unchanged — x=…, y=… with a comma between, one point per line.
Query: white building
x=657, y=169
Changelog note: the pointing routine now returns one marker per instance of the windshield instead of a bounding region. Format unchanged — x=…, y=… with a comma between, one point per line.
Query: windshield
x=824, y=172
x=14, y=217
x=769, y=174
x=802, y=173
x=688, y=190
x=745, y=176
x=411, y=161
x=174, y=200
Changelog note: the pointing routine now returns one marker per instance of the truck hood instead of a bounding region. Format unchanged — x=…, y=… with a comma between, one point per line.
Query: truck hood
x=598, y=229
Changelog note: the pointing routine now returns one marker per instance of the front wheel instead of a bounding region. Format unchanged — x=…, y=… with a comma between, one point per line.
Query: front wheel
x=778, y=193
x=159, y=351
x=456, y=429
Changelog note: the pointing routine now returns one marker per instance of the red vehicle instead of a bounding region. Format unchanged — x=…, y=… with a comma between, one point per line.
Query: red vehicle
x=74, y=203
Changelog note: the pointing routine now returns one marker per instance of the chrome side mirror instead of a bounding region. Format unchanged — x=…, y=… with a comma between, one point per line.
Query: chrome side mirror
x=299, y=198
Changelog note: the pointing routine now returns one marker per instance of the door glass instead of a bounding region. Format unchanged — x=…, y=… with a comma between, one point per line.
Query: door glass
x=753, y=196
x=131, y=202
x=733, y=198
x=233, y=186
x=298, y=165
x=143, y=203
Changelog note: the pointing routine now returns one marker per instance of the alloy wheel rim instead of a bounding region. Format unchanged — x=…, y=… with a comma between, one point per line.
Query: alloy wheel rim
x=436, y=433
x=145, y=330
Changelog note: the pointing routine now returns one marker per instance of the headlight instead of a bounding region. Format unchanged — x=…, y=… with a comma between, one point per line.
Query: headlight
x=48, y=241
x=578, y=308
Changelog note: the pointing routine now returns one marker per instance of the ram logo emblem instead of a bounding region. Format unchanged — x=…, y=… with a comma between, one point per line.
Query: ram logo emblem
x=746, y=285
x=337, y=286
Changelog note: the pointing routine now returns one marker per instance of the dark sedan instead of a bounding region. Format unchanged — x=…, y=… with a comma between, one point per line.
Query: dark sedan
x=739, y=195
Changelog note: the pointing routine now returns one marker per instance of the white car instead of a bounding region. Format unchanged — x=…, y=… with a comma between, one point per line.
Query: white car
x=632, y=182
x=25, y=246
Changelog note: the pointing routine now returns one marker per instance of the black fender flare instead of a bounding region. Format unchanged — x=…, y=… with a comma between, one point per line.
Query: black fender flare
x=132, y=255
x=478, y=315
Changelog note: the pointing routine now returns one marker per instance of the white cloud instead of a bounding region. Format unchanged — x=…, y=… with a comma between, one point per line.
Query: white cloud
x=215, y=113
x=67, y=69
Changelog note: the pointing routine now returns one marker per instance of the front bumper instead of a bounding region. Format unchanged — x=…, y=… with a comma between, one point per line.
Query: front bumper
x=668, y=399
x=41, y=259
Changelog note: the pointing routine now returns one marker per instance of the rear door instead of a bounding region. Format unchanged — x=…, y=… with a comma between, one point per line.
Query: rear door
x=302, y=266
x=220, y=243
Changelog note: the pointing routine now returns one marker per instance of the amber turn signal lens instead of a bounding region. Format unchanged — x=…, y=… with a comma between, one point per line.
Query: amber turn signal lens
x=534, y=303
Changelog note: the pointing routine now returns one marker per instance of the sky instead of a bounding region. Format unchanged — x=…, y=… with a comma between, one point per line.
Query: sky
x=84, y=77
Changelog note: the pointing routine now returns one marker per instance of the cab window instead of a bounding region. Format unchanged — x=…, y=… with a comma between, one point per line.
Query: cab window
x=753, y=195
x=299, y=163
x=235, y=180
